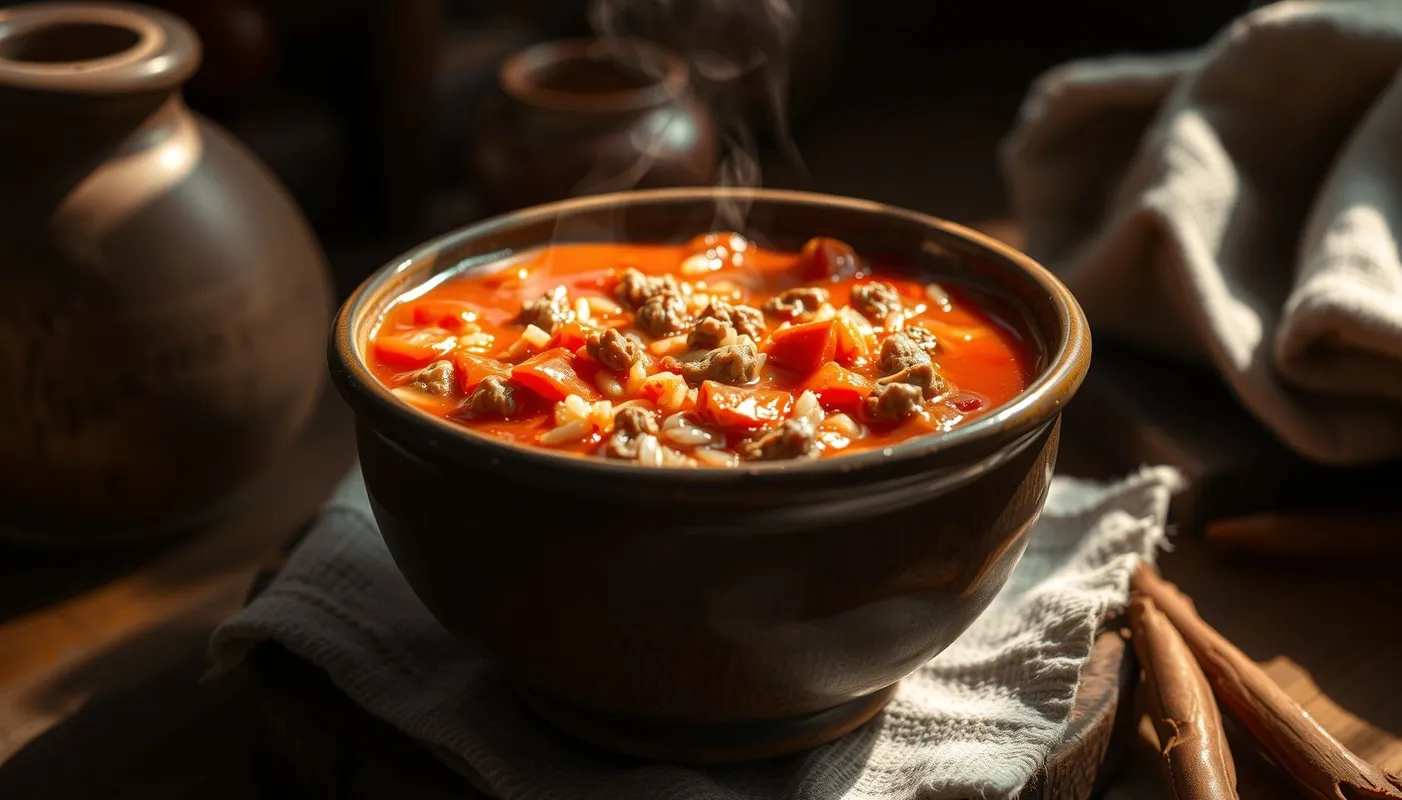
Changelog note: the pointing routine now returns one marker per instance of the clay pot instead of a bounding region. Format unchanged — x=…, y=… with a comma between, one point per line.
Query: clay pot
x=163, y=303
x=585, y=116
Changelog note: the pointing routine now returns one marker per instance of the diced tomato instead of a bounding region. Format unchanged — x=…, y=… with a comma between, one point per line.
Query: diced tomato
x=823, y=258
x=443, y=313
x=413, y=349
x=554, y=375
x=736, y=407
x=570, y=336
x=839, y=388
x=852, y=347
x=803, y=348
x=472, y=368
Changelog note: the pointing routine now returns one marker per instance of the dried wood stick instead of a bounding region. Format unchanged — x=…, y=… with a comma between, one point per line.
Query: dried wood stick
x=1311, y=537
x=1196, y=758
x=1317, y=762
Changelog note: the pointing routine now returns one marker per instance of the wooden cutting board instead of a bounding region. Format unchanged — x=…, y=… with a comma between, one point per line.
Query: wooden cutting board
x=317, y=743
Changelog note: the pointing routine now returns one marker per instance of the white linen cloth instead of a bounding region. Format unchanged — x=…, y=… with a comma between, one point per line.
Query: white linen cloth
x=1239, y=205
x=978, y=721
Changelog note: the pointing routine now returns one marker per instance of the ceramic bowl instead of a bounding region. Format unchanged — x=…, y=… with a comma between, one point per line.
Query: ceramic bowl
x=715, y=614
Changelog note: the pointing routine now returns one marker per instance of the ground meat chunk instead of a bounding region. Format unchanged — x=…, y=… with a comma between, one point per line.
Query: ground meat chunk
x=796, y=304
x=548, y=310
x=493, y=397
x=613, y=350
x=876, y=300
x=895, y=401
x=435, y=379
x=663, y=314
x=634, y=288
x=709, y=333
x=899, y=352
x=733, y=364
x=923, y=339
x=922, y=376
x=719, y=316
x=629, y=424
x=795, y=438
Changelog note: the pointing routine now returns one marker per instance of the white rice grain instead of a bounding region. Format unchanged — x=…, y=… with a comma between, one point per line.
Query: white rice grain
x=608, y=384
x=636, y=375
x=601, y=415
x=938, y=296
x=714, y=458
x=603, y=305
x=570, y=432
x=535, y=337
x=577, y=406
x=670, y=346
x=689, y=436
x=843, y=424
x=806, y=407
x=649, y=451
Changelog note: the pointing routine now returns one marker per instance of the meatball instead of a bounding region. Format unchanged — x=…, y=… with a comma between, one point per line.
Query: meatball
x=628, y=425
x=634, y=288
x=613, y=350
x=493, y=397
x=895, y=401
x=663, y=314
x=796, y=304
x=436, y=379
x=899, y=352
x=876, y=300
x=733, y=364
x=548, y=310
x=795, y=438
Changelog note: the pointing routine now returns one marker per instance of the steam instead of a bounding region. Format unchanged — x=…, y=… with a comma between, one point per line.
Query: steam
x=735, y=49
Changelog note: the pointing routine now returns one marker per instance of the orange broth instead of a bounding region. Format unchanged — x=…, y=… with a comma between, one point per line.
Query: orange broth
x=983, y=356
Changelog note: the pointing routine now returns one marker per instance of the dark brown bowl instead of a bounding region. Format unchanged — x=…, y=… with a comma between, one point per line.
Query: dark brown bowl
x=712, y=614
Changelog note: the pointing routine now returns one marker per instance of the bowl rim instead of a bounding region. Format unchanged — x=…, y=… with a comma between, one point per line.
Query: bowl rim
x=1029, y=410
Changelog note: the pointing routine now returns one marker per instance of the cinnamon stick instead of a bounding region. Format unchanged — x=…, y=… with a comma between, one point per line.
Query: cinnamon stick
x=1317, y=762
x=1196, y=758
x=1311, y=537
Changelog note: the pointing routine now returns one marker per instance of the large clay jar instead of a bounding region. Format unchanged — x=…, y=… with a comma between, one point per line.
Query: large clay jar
x=586, y=116
x=163, y=303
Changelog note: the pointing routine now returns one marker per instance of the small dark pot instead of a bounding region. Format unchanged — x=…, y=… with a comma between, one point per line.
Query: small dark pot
x=584, y=116
x=713, y=614
x=163, y=302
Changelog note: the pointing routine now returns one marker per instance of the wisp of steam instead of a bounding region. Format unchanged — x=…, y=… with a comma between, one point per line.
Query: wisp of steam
x=734, y=48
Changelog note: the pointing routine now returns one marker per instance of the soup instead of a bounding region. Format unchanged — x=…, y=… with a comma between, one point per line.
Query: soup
x=713, y=353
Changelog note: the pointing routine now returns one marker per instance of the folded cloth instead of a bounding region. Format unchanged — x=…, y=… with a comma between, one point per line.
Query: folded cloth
x=1240, y=205
x=978, y=721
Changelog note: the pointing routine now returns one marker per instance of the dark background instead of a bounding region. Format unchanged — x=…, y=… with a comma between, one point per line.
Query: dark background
x=366, y=108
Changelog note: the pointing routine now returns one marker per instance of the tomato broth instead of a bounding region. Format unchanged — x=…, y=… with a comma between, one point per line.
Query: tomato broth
x=716, y=352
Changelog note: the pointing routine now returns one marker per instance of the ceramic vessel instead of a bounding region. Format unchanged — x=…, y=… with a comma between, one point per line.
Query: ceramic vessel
x=584, y=116
x=163, y=304
x=713, y=614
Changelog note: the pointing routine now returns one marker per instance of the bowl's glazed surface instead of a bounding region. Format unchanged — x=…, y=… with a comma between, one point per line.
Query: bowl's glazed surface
x=712, y=614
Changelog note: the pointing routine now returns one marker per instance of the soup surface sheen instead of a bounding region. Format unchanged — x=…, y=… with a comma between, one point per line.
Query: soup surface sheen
x=713, y=353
